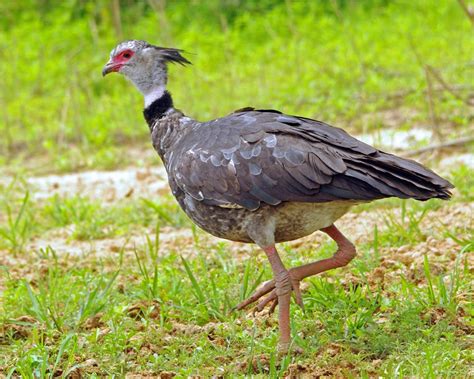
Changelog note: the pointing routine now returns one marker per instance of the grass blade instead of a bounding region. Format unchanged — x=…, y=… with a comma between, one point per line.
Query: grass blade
x=197, y=289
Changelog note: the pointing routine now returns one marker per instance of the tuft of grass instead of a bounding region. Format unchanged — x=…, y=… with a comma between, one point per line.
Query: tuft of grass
x=405, y=228
x=166, y=210
x=18, y=227
x=438, y=292
x=150, y=279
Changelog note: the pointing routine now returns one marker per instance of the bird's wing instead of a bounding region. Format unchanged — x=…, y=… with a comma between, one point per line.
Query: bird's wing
x=263, y=156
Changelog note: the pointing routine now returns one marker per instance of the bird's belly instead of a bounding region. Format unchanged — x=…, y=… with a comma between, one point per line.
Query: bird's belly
x=289, y=220
x=227, y=223
x=295, y=220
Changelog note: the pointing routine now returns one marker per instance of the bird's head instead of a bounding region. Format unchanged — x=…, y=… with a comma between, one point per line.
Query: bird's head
x=144, y=65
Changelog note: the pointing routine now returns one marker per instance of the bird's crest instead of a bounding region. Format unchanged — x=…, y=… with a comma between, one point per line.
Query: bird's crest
x=167, y=54
x=172, y=55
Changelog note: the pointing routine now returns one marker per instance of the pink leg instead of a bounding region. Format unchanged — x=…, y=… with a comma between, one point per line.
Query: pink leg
x=344, y=254
x=283, y=288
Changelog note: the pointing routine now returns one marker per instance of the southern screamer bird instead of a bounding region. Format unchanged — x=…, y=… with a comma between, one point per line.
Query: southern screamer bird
x=261, y=176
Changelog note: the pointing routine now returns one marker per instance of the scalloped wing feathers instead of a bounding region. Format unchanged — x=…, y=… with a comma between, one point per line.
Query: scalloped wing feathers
x=263, y=156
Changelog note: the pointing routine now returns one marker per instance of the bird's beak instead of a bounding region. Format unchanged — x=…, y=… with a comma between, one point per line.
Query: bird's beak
x=110, y=67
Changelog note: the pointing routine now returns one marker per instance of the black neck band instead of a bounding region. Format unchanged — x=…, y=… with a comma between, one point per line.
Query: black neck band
x=157, y=109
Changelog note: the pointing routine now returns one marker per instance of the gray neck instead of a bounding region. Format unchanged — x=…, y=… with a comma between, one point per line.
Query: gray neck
x=150, y=81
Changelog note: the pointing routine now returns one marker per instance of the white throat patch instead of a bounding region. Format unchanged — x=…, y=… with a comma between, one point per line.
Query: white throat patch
x=155, y=94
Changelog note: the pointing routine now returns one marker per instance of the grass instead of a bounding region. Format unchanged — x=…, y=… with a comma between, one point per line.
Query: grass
x=15, y=232
x=150, y=306
x=139, y=310
x=84, y=219
x=98, y=287
x=335, y=65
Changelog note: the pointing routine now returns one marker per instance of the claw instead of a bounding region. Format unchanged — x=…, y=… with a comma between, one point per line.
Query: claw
x=265, y=288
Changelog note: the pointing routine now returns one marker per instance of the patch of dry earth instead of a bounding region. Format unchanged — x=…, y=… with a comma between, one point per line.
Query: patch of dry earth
x=107, y=186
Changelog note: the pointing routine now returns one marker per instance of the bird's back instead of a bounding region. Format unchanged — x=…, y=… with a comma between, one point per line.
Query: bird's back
x=253, y=157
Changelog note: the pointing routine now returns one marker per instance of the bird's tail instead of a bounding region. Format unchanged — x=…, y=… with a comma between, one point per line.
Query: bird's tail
x=400, y=177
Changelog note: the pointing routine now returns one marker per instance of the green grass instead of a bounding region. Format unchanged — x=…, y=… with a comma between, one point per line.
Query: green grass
x=130, y=286
x=336, y=61
x=81, y=218
x=144, y=312
x=144, y=308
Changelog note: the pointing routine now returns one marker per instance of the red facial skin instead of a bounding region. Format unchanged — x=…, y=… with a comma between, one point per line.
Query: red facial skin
x=118, y=61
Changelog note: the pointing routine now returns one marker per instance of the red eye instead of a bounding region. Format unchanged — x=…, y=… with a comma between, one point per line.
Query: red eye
x=127, y=54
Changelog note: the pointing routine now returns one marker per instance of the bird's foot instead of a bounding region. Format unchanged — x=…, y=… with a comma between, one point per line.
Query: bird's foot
x=285, y=348
x=285, y=282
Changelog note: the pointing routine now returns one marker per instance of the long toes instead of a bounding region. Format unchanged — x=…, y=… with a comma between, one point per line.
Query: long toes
x=271, y=297
x=269, y=287
x=273, y=306
x=265, y=288
x=298, y=296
